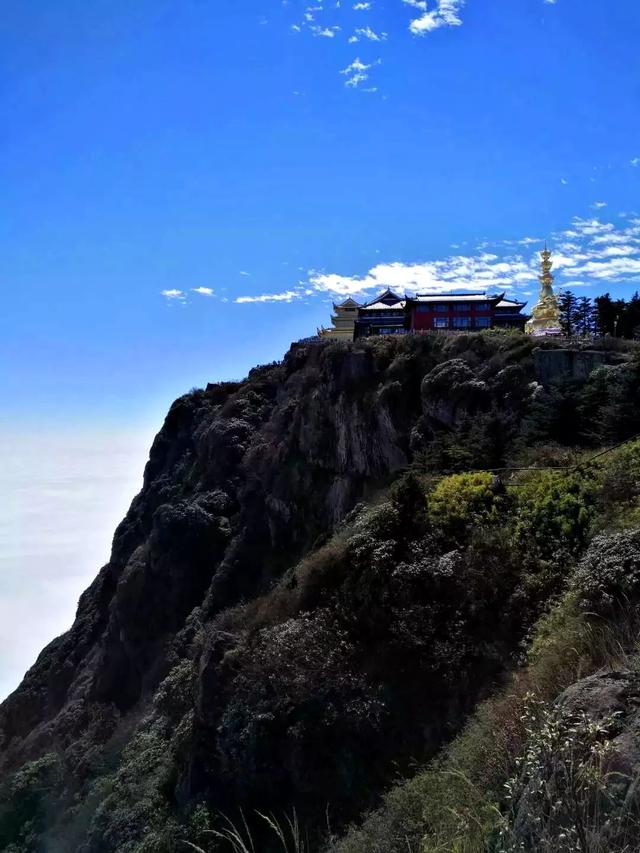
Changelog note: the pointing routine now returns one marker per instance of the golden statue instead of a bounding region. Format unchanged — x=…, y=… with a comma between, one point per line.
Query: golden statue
x=545, y=315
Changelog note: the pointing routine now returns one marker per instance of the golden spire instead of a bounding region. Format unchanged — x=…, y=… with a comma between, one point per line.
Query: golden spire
x=546, y=279
x=545, y=315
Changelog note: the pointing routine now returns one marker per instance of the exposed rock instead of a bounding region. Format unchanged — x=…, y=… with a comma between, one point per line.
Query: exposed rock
x=587, y=763
x=453, y=390
x=554, y=364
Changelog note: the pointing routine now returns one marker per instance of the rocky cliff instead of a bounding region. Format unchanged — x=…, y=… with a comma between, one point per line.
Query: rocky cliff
x=258, y=638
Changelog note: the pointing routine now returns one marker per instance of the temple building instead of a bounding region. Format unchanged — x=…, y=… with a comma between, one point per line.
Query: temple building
x=391, y=314
x=385, y=315
x=342, y=321
x=463, y=311
x=545, y=315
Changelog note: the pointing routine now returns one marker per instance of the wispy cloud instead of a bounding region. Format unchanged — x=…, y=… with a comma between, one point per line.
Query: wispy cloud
x=325, y=32
x=586, y=253
x=357, y=72
x=174, y=295
x=599, y=205
x=367, y=33
x=339, y=20
x=286, y=296
x=446, y=14
x=459, y=272
x=203, y=291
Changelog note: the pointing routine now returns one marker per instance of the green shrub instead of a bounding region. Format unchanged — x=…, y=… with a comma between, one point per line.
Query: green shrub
x=621, y=478
x=460, y=502
x=554, y=512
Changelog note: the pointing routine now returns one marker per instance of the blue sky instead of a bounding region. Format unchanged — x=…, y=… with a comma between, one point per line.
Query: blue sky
x=186, y=185
x=168, y=146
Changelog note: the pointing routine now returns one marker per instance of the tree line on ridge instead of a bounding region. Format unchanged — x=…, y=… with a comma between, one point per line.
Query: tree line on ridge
x=584, y=317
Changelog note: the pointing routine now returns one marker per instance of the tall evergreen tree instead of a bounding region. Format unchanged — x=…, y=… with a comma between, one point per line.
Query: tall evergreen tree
x=605, y=311
x=584, y=317
x=568, y=304
x=632, y=317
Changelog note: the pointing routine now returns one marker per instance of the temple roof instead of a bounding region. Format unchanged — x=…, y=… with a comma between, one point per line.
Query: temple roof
x=383, y=306
x=456, y=297
x=348, y=303
x=388, y=295
x=510, y=303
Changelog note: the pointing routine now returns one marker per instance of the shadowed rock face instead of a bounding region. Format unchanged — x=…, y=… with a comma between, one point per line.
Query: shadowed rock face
x=553, y=365
x=242, y=478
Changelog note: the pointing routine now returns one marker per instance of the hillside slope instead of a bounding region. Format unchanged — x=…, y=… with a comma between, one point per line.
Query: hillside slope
x=263, y=639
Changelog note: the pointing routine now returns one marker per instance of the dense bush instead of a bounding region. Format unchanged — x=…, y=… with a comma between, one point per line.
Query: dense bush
x=27, y=800
x=608, y=578
x=554, y=512
x=462, y=502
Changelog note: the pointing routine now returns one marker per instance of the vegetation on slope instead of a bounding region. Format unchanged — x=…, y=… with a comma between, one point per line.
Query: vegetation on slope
x=271, y=660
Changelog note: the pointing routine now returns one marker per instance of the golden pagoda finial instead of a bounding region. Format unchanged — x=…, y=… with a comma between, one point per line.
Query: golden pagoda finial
x=545, y=319
x=546, y=278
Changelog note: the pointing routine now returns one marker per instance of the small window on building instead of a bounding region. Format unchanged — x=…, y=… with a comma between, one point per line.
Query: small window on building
x=483, y=322
x=441, y=323
x=441, y=306
x=423, y=309
x=461, y=307
x=482, y=306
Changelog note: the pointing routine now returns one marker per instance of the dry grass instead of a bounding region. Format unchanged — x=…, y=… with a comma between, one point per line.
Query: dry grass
x=237, y=837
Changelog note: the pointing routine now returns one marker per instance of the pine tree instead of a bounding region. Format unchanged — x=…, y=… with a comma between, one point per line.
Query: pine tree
x=567, y=303
x=605, y=315
x=584, y=317
x=632, y=317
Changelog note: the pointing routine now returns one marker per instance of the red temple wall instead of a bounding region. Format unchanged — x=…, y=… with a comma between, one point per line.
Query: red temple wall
x=422, y=321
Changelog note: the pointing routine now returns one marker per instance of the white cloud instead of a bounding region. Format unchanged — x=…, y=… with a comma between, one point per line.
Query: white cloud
x=287, y=296
x=417, y=4
x=368, y=33
x=460, y=272
x=362, y=7
x=358, y=72
x=325, y=32
x=599, y=205
x=447, y=14
x=203, y=291
x=173, y=295
x=635, y=161
x=588, y=252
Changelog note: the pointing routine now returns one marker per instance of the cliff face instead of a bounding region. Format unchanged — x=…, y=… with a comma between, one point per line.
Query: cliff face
x=243, y=481
x=242, y=478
